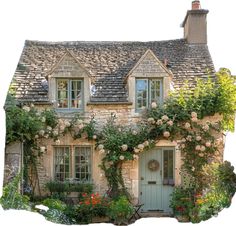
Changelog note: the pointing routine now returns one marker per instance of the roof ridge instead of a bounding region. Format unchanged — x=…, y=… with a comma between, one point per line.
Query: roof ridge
x=68, y=43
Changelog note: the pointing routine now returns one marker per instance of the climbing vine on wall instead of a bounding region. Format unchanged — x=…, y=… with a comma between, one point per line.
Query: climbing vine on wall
x=177, y=120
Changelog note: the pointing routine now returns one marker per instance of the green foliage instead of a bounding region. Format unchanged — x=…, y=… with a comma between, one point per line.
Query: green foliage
x=207, y=98
x=226, y=98
x=218, y=189
x=92, y=205
x=66, y=187
x=120, y=210
x=54, y=204
x=182, y=201
x=119, y=144
x=11, y=198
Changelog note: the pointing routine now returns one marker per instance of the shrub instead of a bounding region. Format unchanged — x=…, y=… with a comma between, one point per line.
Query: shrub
x=11, y=198
x=92, y=205
x=120, y=210
x=54, y=204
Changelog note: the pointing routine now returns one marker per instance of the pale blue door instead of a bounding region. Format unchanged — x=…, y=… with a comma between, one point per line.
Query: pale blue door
x=156, y=179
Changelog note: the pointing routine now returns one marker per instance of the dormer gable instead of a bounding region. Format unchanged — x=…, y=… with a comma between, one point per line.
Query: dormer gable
x=68, y=66
x=149, y=66
x=69, y=84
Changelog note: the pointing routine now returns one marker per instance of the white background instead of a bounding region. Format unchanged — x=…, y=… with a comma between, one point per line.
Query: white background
x=109, y=20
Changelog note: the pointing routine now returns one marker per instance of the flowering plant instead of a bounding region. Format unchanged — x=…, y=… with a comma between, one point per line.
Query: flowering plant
x=95, y=204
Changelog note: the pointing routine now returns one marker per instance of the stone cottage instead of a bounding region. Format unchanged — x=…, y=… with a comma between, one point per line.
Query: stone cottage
x=110, y=77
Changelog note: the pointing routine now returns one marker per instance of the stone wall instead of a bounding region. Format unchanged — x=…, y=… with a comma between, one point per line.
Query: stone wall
x=13, y=161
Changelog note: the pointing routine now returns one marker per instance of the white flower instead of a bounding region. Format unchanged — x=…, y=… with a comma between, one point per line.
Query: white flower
x=49, y=128
x=121, y=157
x=170, y=123
x=194, y=119
x=94, y=137
x=26, y=108
x=36, y=136
x=203, y=148
x=32, y=105
x=100, y=146
x=183, y=140
x=43, y=119
x=208, y=144
x=166, y=134
x=67, y=123
x=154, y=105
x=182, y=145
x=119, y=129
x=198, y=138
x=42, y=149
x=124, y=147
x=46, y=136
x=201, y=154
x=187, y=125
x=151, y=120
x=80, y=126
x=57, y=142
x=37, y=113
x=194, y=114
x=55, y=133
x=193, y=168
x=135, y=157
x=189, y=138
x=141, y=146
x=164, y=117
x=146, y=143
x=159, y=122
x=205, y=127
x=79, y=121
x=101, y=151
x=41, y=132
x=136, y=150
x=198, y=148
x=134, y=132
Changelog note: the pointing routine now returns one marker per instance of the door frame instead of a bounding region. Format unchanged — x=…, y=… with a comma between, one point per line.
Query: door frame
x=162, y=148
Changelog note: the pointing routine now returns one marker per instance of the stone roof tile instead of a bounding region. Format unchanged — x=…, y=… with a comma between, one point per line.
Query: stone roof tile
x=108, y=64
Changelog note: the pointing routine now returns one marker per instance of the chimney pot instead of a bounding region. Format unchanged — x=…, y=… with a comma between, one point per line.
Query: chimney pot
x=196, y=5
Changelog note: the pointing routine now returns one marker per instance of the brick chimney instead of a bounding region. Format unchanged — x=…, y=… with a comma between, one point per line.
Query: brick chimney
x=195, y=24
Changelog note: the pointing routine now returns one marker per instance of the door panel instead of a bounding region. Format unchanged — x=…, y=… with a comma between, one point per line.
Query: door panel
x=153, y=194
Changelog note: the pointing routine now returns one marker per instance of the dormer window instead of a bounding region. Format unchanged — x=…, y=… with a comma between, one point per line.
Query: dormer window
x=69, y=94
x=148, y=91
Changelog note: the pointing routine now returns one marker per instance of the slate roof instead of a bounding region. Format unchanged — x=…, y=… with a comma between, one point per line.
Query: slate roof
x=108, y=64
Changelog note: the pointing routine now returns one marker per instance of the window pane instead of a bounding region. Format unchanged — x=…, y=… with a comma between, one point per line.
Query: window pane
x=62, y=163
x=76, y=94
x=83, y=163
x=62, y=93
x=155, y=91
x=141, y=93
x=168, y=165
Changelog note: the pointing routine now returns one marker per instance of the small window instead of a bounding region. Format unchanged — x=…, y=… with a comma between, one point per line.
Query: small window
x=69, y=94
x=72, y=162
x=148, y=91
x=168, y=167
x=83, y=163
x=62, y=163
